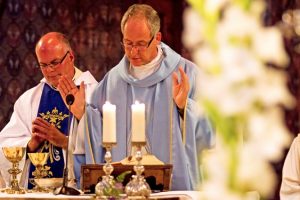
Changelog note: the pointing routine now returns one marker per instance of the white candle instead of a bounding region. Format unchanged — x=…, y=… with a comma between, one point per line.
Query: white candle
x=138, y=122
x=109, y=123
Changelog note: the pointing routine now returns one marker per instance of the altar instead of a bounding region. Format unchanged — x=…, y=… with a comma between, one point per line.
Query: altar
x=157, y=176
x=171, y=195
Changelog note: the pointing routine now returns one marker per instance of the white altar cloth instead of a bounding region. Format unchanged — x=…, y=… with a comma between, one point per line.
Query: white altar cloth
x=182, y=195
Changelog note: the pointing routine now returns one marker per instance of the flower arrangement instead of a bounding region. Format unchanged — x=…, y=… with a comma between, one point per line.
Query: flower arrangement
x=242, y=94
x=112, y=188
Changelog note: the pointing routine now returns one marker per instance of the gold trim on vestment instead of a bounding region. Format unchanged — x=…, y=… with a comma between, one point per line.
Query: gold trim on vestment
x=184, y=125
x=171, y=130
x=88, y=138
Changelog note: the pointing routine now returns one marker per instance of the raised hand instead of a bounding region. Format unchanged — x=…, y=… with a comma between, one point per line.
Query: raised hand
x=180, y=88
x=67, y=86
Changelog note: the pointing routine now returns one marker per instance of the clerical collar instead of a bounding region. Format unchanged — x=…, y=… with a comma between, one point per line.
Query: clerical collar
x=142, y=71
x=78, y=72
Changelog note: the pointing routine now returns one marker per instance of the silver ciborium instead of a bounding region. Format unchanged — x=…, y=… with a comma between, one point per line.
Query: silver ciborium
x=14, y=155
x=39, y=160
x=138, y=187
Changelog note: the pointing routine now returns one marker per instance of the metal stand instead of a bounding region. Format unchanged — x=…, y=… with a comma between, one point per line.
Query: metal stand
x=107, y=180
x=138, y=185
x=66, y=189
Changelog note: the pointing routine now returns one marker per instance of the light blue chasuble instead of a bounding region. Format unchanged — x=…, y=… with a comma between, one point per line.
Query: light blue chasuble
x=165, y=138
x=52, y=109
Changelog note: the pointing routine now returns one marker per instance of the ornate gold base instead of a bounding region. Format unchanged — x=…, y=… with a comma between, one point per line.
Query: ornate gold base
x=12, y=191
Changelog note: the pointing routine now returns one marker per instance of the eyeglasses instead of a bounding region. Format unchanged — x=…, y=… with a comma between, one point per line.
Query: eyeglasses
x=141, y=46
x=54, y=63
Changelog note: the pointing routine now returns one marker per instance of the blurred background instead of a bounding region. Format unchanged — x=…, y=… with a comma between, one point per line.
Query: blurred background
x=93, y=27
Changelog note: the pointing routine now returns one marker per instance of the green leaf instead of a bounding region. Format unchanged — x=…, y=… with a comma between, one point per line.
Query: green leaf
x=120, y=178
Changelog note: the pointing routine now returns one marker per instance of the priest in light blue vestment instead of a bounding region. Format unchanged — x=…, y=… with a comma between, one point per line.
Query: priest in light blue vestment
x=151, y=73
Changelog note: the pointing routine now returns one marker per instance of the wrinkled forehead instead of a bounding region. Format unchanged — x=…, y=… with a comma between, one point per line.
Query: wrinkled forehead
x=136, y=28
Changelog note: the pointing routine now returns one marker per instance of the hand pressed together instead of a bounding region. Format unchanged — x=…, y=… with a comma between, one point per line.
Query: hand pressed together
x=43, y=130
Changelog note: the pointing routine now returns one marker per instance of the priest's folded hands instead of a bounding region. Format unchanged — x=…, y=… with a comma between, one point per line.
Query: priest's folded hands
x=43, y=130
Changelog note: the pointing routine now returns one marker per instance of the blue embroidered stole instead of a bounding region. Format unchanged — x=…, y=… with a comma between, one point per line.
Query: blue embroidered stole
x=52, y=109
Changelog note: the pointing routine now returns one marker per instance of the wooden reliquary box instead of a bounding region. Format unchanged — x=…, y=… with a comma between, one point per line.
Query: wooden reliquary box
x=157, y=176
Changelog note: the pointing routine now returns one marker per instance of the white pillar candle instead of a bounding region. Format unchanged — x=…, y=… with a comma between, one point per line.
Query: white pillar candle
x=138, y=122
x=109, y=123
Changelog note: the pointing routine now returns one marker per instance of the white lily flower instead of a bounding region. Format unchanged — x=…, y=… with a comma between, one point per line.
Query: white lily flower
x=205, y=57
x=274, y=82
x=192, y=33
x=215, y=5
x=269, y=125
x=270, y=37
x=237, y=23
x=251, y=169
x=246, y=96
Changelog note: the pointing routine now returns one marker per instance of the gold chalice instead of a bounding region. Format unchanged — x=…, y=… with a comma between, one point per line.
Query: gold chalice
x=39, y=160
x=14, y=155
